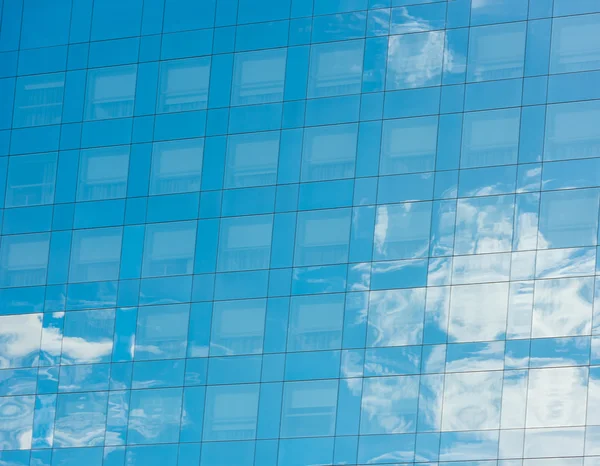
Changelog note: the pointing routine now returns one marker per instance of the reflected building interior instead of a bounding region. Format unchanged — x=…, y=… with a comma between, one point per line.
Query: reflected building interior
x=299, y=232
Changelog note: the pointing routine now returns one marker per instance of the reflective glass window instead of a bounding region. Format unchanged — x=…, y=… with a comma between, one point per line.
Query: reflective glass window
x=183, y=85
x=80, y=419
x=24, y=259
x=31, y=180
x=95, y=254
x=162, y=332
x=557, y=397
x=562, y=307
x=568, y=218
x=408, y=145
x=571, y=131
x=110, y=92
x=322, y=237
x=496, y=52
x=245, y=243
x=415, y=60
x=169, y=249
x=88, y=336
x=39, y=100
x=20, y=340
x=103, y=173
x=335, y=68
x=252, y=159
x=484, y=224
x=315, y=322
x=16, y=419
x=395, y=317
x=389, y=405
x=490, y=138
x=575, y=44
x=237, y=327
x=476, y=393
x=258, y=77
x=231, y=412
x=329, y=152
x=467, y=320
x=402, y=231
x=309, y=408
x=154, y=416
x=176, y=166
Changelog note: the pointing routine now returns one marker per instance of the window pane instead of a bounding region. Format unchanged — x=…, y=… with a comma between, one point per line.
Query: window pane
x=80, y=419
x=575, y=44
x=571, y=131
x=329, y=152
x=472, y=401
x=252, y=159
x=415, y=60
x=484, y=224
x=396, y=317
x=39, y=100
x=402, y=231
x=245, y=243
x=231, y=412
x=16, y=420
x=322, y=237
x=103, y=173
x=336, y=68
x=31, y=180
x=408, y=145
x=496, y=52
x=110, y=92
x=490, y=138
x=258, y=77
x=19, y=340
x=557, y=397
x=88, y=336
x=478, y=312
x=389, y=405
x=24, y=260
x=154, y=416
x=169, y=249
x=176, y=166
x=237, y=327
x=95, y=255
x=562, y=307
x=568, y=218
x=309, y=408
x=162, y=332
x=183, y=85
x=316, y=322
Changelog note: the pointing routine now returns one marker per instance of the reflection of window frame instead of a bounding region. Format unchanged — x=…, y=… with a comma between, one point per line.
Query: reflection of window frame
x=302, y=401
x=242, y=170
x=169, y=264
x=173, y=182
x=90, y=189
x=82, y=266
x=321, y=164
x=115, y=105
x=30, y=274
x=227, y=331
x=328, y=76
x=482, y=62
x=44, y=187
x=222, y=420
x=35, y=95
x=249, y=256
x=194, y=97
x=310, y=334
x=264, y=90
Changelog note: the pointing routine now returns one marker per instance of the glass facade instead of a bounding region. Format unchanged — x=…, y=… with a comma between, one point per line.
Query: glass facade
x=299, y=232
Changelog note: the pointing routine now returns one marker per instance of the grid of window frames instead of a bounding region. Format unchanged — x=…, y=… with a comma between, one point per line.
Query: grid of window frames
x=297, y=232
